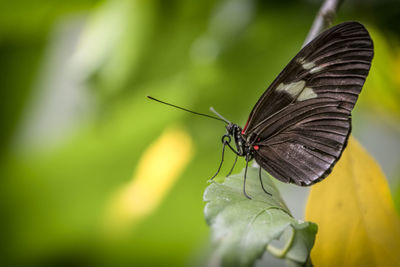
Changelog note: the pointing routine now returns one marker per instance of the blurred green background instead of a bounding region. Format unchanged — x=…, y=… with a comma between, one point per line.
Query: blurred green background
x=75, y=121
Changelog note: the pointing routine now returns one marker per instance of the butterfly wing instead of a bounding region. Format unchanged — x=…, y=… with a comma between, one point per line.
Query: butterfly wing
x=301, y=124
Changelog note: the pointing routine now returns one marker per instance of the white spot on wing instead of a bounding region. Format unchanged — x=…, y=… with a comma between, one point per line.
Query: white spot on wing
x=316, y=69
x=308, y=65
x=305, y=64
x=307, y=93
x=297, y=89
x=292, y=89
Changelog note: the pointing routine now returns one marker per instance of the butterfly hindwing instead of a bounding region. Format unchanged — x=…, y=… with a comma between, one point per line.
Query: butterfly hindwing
x=307, y=141
x=301, y=123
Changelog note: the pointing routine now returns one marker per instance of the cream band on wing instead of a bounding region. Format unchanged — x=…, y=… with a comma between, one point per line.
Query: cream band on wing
x=297, y=90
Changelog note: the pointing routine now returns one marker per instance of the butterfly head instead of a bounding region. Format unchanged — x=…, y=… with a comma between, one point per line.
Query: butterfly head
x=230, y=128
x=242, y=147
x=233, y=129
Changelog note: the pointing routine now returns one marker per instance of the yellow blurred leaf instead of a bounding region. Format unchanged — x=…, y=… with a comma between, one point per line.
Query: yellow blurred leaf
x=156, y=173
x=357, y=221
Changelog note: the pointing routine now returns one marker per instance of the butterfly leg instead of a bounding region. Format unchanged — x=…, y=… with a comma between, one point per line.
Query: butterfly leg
x=229, y=173
x=222, y=160
x=262, y=185
x=244, y=180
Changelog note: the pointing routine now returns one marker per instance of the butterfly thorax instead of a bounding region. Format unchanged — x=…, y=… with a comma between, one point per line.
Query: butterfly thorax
x=243, y=147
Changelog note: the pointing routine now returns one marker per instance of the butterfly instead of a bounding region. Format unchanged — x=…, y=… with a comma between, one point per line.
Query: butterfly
x=300, y=126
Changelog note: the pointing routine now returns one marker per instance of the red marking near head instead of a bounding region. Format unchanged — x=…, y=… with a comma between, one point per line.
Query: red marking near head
x=245, y=127
x=256, y=147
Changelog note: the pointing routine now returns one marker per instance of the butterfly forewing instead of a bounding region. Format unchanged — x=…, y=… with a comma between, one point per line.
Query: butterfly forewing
x=301, y=124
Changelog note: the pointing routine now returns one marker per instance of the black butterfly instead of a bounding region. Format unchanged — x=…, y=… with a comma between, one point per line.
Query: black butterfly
x=299, y=127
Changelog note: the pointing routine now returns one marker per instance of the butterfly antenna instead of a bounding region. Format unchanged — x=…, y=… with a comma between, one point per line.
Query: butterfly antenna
x=191, y=111
x=219, y=115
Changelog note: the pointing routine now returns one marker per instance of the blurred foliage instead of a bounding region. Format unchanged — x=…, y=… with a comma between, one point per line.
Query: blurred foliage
x=397, y=197
x=382, y=92
x=354, y=208
x=56, y=187
x=243, y=229
x=24, y=32
x=157, y=171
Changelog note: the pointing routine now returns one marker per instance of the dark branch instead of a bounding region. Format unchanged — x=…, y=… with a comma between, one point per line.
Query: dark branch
x=324, y=18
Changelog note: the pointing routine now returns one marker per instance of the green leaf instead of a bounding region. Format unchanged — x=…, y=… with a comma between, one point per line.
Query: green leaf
x=242, y=229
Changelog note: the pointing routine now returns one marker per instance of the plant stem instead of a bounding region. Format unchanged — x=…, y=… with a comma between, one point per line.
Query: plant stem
x=324, y=18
